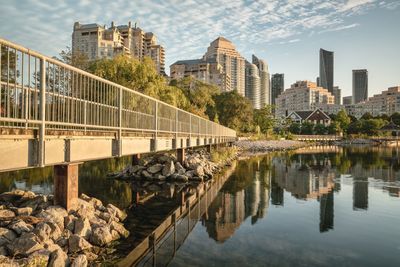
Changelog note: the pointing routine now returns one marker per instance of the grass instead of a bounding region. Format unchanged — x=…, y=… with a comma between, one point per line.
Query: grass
x=221, y=155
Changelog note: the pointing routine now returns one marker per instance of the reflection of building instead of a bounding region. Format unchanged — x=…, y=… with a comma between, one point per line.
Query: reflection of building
x=229, y=209
x=360, y=193
x=276, y=194
x=326, y=212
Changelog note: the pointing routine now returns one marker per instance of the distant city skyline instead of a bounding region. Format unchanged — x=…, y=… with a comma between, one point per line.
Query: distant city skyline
x=363, y=34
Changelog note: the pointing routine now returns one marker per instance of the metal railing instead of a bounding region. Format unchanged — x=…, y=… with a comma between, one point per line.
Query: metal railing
x=43, y=93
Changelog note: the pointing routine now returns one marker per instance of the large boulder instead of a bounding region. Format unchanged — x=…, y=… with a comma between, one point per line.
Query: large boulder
x=19, y=226
x=121, y=215
x=84, y=209
x=155, y=168
x=168, y=169
x=35, y=202
x=26, y=244
x=6, y=236
x=146, y=174
x=58, y=258
x=82, y=227
x=179, y=168
x=54, y=214
x=69, y=222
x=24, y=211
x=6, y=215
x=199, y=170
x=119, y=228
x=101, y=236
x=80, y=261
x=77, y=243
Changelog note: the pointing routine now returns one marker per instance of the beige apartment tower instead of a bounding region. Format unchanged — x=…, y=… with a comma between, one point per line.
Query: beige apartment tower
x=97, y=42
x=233, y=64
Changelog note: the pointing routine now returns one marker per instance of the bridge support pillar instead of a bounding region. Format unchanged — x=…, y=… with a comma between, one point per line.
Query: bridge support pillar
x=180, y=155
x=135, y=159
x=208, y=148
x=66, y=185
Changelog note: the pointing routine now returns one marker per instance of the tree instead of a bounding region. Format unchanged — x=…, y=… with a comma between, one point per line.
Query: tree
x=76, y=59
x=234, y=111
x=395, y=118
x=367, y=116
x=264, y=118
x=343, y=120
x=295, y=128
x=333, y=128
x=307, y=128
x=371, y=126
x=320, y=129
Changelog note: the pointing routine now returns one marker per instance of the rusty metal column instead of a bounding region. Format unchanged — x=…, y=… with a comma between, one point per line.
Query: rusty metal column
x=42, y=132
x=66, y=185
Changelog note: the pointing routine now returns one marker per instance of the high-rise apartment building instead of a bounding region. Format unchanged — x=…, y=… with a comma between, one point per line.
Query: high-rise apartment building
x=326, y=69
x=347, y=100
x=253, y=85
x=233, y=64
x=303, y=96
x=360, y=85
x=277, y=86
x=265, y=84
x=337, y=93
x=97, y=42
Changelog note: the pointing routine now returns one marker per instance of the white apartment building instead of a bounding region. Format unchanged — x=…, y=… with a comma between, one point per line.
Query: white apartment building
x=303, y=96
x=387, y=102
x=97, y=42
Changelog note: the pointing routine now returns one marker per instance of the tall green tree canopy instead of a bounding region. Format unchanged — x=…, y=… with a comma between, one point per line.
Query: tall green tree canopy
x=264, y=118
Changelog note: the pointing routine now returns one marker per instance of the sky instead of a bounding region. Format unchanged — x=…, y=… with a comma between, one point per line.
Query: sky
x=286, y=33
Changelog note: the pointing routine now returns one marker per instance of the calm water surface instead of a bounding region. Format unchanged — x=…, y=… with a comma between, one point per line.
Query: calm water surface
x=313, y=207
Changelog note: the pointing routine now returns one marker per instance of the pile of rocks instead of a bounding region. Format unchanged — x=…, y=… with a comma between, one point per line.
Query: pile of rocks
x=269, y=145
x=164, y=175
x=34, y=232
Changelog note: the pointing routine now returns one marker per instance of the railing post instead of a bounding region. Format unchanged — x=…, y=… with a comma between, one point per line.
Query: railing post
x=120, y=123
x=85, y=115
x=176, y=128
x=42, y=132
x=155, y=125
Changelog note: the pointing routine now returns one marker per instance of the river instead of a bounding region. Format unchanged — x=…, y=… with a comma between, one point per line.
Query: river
x=325, y=206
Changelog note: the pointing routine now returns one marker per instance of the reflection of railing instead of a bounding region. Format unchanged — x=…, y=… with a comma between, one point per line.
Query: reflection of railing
x=160, y=247
x=43, y=93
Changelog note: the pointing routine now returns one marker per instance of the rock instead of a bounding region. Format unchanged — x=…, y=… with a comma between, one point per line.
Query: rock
x=11, y=197
x=97, y=222
x=114, y=210
x=189, y=174
x=101, y=236
x=181, y=178
x=3, y=251
x=50, y=246
x=146, y=174
x=84, y=209
x=38, y=258
x=24, y=211
x=80, y=261
x=164, y=159
x=168, y=169
x=20, y=227
x=85, y=197
x=36, y=202
x=160, y=177
x=120, y=229
x=155, y=168
x=54, y=214
x=115, y=235
x=136, y=168
x=31, y=220
x=90, y=255
x=43, y=231
x=6, y=236
x=77, y=243
x=198, y=170
x=69, y=222
x=96, y=202
x=106, y=216
x=6, y=215
x=26, y=244
x=153, y=188
x=179, y=168
x=58, y=258
x=82, y=228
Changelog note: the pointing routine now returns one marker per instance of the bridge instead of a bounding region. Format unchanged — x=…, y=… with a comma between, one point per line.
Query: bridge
x=53, y=114
x=314, y=138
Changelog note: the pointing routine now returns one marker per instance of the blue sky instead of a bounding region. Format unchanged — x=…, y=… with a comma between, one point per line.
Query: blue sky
x=287, y=34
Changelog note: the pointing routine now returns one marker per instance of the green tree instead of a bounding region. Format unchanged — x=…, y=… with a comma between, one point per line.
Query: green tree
x=76, y=59
x=295, y=128
x=395, y=118
x=343, y=120
x=264, y=119
x=307, y=128
x=234, y=111
x=367, y=116
x=320, y=129
x=372, y=126
x=334, y=128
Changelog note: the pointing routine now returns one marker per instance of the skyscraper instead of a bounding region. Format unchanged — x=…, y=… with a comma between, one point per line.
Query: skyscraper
x=277, y=86
x=224, y=53
x=337, y=94
x=253, y=85
x=265, y=86
x=360, y=85
x=326, y=69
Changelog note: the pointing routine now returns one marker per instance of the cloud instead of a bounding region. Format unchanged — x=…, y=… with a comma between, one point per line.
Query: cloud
x=185, y=28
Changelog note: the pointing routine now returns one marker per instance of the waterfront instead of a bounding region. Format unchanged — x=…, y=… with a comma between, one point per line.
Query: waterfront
x=324, y=206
